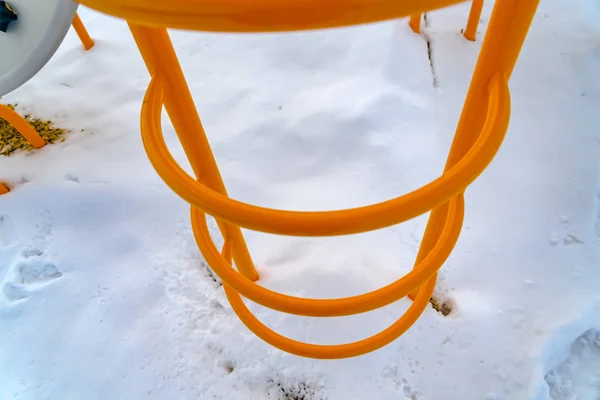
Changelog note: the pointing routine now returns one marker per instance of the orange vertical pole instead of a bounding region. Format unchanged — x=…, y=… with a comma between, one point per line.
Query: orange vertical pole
x=83, y=34
x=474, y=15
x=415, y=23
x=505, y=35
x=158, y=53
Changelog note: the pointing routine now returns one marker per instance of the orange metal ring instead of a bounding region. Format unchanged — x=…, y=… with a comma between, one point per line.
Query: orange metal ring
x=326, y=223
x=277, y=301
x=333, y=307
x=261, y=15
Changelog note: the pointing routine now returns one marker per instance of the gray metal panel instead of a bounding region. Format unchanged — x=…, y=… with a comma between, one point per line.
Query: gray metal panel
x=33, y=39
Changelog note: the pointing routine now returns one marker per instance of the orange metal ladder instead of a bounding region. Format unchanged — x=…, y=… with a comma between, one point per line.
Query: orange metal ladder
x=479, y=135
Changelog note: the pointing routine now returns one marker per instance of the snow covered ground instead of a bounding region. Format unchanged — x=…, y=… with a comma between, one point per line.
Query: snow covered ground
x=104, y=294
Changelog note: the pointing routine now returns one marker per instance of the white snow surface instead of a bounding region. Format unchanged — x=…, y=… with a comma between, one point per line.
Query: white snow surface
x=104, y=294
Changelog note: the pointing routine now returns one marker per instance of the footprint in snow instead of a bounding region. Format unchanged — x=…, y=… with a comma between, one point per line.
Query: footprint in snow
x=14, y=292
x=8, y=232
x=29, y=275
x=35, y=272
x=32, y=252
x=578, y=377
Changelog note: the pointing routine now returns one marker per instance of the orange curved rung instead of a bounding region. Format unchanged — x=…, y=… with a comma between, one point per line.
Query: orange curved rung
x=23, y=128
x=84, y=36
x=479, y=135
x=470, y=31
x=310, y=223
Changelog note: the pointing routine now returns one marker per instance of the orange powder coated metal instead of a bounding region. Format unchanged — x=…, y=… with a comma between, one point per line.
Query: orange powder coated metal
x=84, y=36
x=261, y=15
x=470, y=31
x=415, y=23
x=22, y=126
x=480, y=132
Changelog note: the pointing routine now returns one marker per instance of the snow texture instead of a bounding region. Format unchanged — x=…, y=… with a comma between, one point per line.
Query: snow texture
x=104, y=294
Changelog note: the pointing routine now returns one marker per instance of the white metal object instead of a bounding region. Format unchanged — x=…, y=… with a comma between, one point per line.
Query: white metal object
x=32, y=39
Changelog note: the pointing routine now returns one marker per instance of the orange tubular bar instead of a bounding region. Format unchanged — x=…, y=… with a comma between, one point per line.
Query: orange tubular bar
x=24, y=129
x=479, y=135
x=474, y=15
x=83, y=34
x=158, y=53
x=22, y=126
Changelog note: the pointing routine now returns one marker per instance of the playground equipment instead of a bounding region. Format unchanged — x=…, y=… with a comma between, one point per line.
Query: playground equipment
x=30, y=39
x=470, y=31
x=479, y=135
